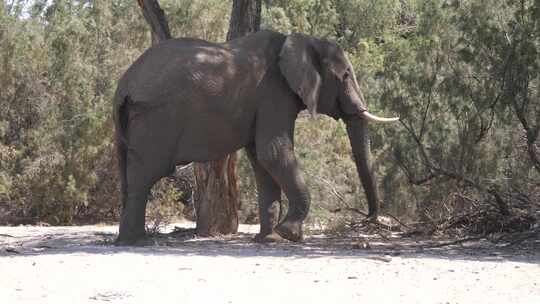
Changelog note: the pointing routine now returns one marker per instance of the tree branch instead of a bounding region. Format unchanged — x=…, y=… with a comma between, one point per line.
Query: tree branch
x=157, y=20
x=437, y=171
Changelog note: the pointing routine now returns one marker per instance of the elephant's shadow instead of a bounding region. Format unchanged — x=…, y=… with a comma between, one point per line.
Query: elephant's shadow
x=369, y=246
x=184, y=242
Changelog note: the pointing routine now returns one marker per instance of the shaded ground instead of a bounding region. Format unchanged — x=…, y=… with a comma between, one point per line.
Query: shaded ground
x=79, y=265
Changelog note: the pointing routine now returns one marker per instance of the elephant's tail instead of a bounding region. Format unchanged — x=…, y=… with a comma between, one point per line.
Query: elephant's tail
x=120, y=116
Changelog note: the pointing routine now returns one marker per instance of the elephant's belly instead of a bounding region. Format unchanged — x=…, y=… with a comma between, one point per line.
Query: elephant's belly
x=212, y=141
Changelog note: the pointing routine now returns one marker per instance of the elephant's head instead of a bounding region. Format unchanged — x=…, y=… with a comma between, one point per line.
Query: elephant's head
x=322, y=76
x=319, y=72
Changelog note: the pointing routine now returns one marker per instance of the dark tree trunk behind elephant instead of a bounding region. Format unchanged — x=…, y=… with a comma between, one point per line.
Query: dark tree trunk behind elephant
x=245, y=18
x=157, y=20
x=217, y=200
x=216, y=206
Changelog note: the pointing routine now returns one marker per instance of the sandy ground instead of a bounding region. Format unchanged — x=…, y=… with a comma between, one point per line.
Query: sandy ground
x=79, y=265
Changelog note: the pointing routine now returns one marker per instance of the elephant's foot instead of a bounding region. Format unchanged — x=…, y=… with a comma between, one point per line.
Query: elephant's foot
x=267, y=238
x=290, y=230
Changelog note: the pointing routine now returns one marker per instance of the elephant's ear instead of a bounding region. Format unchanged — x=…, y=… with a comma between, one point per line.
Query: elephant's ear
x=298, y=63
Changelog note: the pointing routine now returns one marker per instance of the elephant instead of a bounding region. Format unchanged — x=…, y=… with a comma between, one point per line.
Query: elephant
x=189, y=100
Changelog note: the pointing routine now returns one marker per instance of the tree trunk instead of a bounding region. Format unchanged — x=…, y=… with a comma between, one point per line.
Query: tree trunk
x=217, y=200
x=216, y=197
x=157, y=20
x=245, y=18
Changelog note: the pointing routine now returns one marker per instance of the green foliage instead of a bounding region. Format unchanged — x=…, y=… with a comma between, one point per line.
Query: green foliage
x=60, y=61
x=459, y=74
x=207, y=20
x=163, y=206
x=460, y=110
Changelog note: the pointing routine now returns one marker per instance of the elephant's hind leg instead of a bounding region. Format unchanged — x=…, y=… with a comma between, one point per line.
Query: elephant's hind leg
x=269, y=197
x=140, y=180
x=149, y=158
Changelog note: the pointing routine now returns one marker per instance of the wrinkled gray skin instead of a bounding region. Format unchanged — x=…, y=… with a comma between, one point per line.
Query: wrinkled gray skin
x=187, y=100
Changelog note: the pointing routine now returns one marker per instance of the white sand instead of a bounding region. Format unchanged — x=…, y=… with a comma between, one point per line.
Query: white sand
x=71, y=265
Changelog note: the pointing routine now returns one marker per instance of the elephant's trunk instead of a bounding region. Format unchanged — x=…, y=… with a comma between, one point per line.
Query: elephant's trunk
x=359, y=138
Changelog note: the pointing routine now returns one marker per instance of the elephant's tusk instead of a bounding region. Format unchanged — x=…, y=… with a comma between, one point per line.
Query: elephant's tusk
x=374, y=118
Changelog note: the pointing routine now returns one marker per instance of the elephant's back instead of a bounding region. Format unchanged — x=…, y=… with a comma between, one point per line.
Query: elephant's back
x=173, y=68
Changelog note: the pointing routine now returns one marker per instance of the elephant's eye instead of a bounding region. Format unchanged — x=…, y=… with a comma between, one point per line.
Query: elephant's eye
x=346, y=74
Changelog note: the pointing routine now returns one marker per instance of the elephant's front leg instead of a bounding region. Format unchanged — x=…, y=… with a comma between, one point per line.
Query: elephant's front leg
x=269, y=197
x=277, y=157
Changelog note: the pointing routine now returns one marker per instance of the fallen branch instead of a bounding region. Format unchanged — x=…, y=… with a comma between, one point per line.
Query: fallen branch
x=396, y=219
x=373, y=221
x=460, y=241
x=330, y=185
x=356, y=210
x=379, y=258
x=11, y=250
